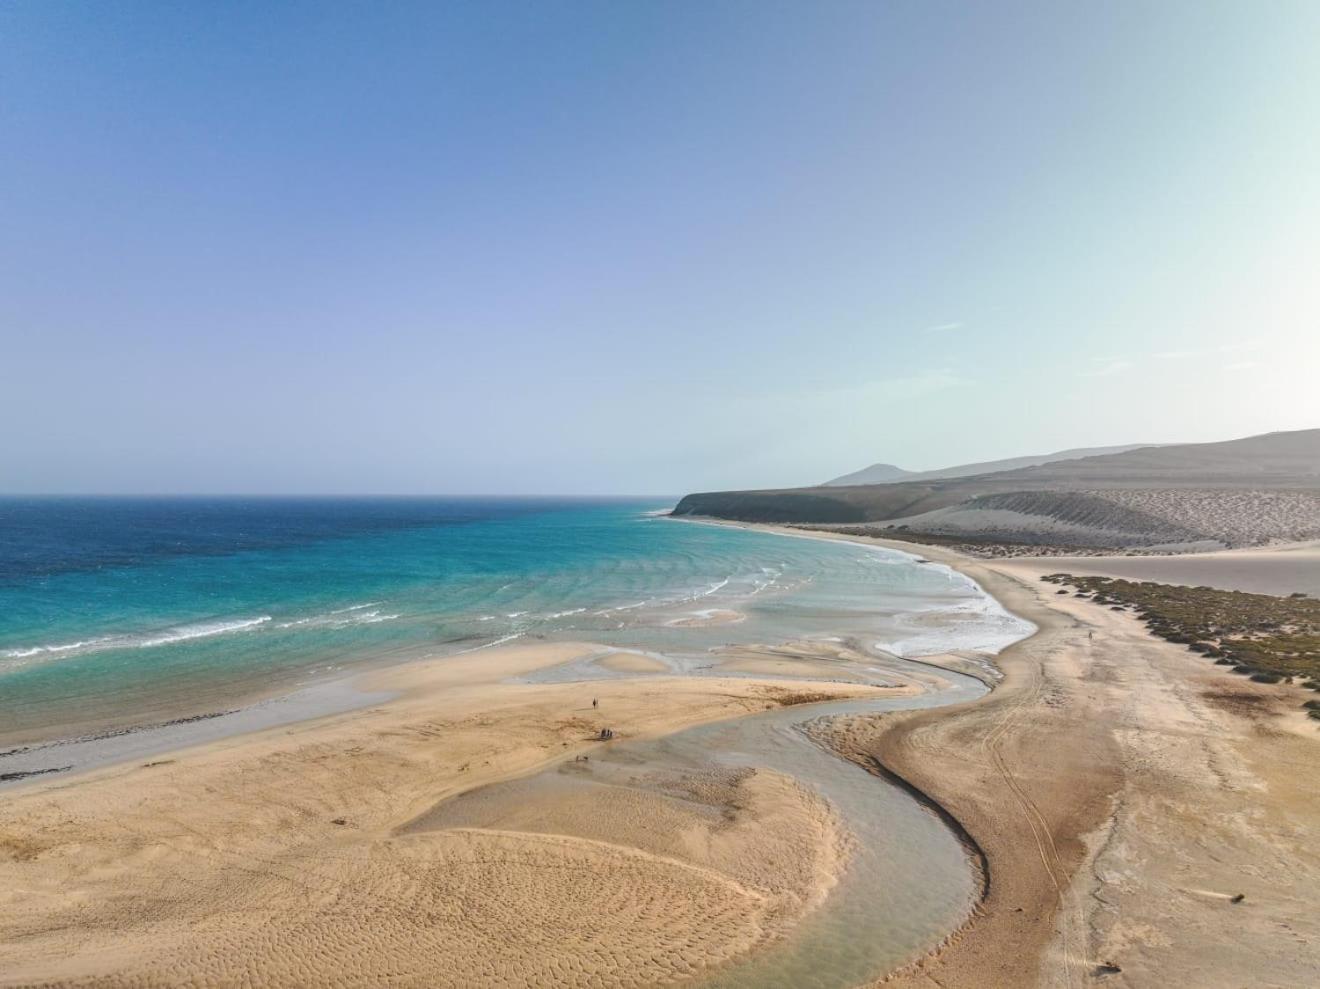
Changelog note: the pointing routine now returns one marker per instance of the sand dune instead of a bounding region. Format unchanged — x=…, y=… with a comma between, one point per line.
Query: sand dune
x=889, y=474
x=1175, y=518
x=1202, y=495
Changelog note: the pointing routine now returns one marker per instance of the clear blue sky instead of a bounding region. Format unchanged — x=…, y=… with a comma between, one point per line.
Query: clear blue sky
x=644, y=247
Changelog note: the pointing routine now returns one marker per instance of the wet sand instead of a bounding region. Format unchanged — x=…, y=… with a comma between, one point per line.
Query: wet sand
x=1119, y=790
x=1123, y=791
x=710, y=616
x=332, y=852
x=1279, y=571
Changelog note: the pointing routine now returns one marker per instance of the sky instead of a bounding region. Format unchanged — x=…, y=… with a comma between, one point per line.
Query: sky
x=644, y=247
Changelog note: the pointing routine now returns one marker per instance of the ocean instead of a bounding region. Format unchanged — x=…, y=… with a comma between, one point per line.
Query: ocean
x=120, y=612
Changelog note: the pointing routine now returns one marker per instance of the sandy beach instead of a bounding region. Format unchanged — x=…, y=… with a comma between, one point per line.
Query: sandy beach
x=734, y=495
x=1124, y=792
x=1280, y=570
x=328, y=852
x=1118, y=792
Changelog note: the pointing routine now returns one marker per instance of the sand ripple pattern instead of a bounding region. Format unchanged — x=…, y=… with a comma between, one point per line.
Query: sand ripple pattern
x=282, y=860
x=383, y=916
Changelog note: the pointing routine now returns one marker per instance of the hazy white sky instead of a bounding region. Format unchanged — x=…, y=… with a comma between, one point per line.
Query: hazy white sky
x=644, y=248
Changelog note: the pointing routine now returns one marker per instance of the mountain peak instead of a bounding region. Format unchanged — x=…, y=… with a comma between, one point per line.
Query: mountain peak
x=875, y=474
x=889, y=474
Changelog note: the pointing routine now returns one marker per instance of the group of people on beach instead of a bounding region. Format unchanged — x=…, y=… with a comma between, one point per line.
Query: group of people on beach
x=605, y=733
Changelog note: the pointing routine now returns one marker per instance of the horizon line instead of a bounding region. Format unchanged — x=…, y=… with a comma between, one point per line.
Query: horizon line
x=313, y=494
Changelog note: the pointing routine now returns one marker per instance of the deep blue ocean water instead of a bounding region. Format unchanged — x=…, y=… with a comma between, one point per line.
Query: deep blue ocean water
x=126, y=609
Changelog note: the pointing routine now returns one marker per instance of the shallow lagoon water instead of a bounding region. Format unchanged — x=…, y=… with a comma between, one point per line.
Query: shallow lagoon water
x=170, y=620
x=123, y=612
x=908, y=879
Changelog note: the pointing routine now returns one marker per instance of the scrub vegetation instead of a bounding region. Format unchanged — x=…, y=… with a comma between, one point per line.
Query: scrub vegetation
x=1269, y=639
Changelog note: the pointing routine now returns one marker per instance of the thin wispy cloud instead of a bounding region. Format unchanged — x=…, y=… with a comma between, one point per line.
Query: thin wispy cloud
x=894, y=390
x=1220, y=352
x=826, y=403
x=943, y=328
x=1241, y=365
x=1105, y=366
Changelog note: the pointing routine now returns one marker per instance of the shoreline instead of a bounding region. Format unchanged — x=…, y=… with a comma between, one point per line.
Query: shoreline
x=1026, y=875
x=26, y=764
x=1101, y=748
x=37, y=853
x=266, y=708
x=965, y=954
x=322, y=783
x=950, y=562
x=114, y=739
x=1058, y=780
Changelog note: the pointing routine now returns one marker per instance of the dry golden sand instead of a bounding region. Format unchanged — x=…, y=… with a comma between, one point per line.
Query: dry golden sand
x=311, y=855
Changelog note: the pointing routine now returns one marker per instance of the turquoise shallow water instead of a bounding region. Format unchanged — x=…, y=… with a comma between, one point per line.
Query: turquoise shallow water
x=129, y=612
x=118, y=611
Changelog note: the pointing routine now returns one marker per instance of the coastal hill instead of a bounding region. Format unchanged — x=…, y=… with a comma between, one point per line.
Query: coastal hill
x=875, y=474
x=1186, y=496
x=889, y=474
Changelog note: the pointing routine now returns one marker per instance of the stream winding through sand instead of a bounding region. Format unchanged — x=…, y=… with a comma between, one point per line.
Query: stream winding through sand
x=907, y=881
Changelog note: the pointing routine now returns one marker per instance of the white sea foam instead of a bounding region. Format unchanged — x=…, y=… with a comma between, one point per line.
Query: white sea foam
x=621, y=607
x=978, y=623
x=768, y=579
x=372, y=617
x=975, y=623
x=203, y=630
x=30, y=651
x=490, y=645
x=341, y=618
x=146, y=640
x=565, y=614
x=718, y=585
